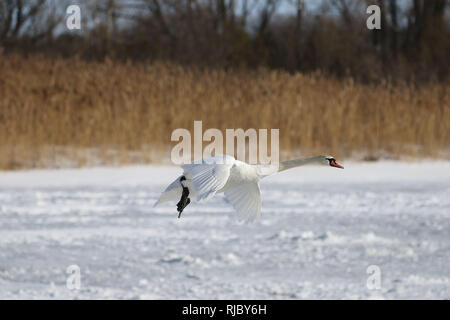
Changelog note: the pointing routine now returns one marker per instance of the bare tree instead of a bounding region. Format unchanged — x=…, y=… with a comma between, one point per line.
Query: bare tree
x=33, y=20
x=393, y=12
x=298, y=33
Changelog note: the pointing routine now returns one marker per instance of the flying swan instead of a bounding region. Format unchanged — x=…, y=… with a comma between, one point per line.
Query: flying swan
x=238, y=180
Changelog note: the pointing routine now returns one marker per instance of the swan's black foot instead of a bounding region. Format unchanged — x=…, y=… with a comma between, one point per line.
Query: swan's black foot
x=184, y=201
x=181, y=206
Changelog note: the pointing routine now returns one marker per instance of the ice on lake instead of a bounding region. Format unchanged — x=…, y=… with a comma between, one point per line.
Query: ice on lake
x=321, y=229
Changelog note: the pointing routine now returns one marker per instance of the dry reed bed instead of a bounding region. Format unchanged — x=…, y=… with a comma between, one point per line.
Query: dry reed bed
x=115, y=112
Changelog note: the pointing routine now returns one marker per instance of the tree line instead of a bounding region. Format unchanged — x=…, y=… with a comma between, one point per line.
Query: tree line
x=329, y=36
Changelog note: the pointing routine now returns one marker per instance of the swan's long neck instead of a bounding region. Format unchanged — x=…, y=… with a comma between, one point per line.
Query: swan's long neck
x=284, y=165
x=267, y=170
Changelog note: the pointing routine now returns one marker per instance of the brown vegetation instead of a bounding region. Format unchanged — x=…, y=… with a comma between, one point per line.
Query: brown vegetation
x=112, y=112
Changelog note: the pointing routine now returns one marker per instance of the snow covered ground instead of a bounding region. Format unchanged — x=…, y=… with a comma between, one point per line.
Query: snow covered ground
x=320, y=231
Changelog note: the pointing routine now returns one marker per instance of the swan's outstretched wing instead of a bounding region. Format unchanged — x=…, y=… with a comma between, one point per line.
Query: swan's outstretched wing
x=246, y=200
x=209, y=176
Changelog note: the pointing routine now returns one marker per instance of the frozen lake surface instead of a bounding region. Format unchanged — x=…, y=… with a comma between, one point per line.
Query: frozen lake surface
x=321, y=228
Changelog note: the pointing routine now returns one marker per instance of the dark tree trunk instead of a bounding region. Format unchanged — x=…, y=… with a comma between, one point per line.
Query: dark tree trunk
x=393, y=11
x=298, y=35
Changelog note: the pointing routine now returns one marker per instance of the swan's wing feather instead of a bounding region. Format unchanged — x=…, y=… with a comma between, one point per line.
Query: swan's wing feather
x=207, y=179
x=172, y=192
x=246, y=200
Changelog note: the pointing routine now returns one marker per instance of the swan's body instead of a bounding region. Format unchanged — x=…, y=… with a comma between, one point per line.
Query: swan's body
x=238, y=180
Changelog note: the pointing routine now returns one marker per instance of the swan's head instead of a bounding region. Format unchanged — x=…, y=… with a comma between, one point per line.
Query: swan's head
x=331, y=161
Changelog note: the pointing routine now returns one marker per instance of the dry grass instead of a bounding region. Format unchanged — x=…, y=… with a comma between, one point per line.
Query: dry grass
x=72, y=112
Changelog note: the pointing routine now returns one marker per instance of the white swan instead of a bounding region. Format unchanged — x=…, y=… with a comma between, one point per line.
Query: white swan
x=238, y=180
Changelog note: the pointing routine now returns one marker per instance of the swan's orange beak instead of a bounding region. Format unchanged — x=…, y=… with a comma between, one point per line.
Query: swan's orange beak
x=333, y=163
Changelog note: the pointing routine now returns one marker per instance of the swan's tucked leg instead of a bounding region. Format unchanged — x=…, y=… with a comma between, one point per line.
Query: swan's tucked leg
x=184, y=201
